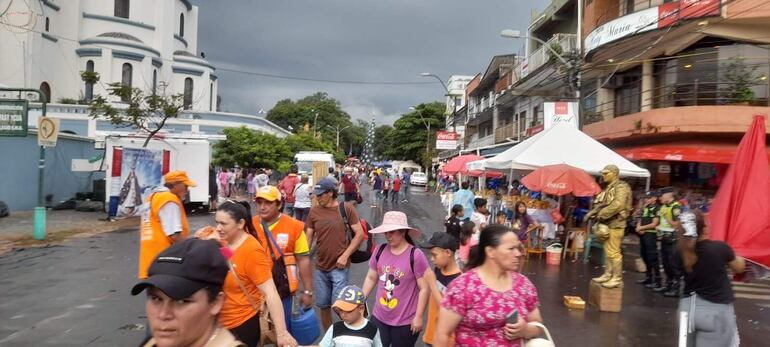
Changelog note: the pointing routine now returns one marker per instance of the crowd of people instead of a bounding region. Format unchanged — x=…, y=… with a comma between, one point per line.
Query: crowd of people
x=237, y=282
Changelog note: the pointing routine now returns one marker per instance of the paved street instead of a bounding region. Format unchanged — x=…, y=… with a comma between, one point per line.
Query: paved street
x=77, y=294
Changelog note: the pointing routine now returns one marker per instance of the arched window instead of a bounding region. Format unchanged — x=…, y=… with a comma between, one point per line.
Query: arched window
x=188, y=93
x=181, y=24
x=154, y=81
x=89, y=86
x=122, y=8
x=46, y=89
x=47, y=24
x=126, y=80
x=211, y=97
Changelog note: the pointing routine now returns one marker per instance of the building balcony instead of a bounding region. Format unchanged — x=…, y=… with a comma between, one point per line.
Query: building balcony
x=561, y=43
x=502, y=134
x=676, y=122
x=476, y=142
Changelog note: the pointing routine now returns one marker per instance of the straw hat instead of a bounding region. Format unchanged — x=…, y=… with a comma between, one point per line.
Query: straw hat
x=395, y=220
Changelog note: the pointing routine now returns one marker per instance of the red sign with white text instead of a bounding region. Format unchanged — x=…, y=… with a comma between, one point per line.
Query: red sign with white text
x=446, y=139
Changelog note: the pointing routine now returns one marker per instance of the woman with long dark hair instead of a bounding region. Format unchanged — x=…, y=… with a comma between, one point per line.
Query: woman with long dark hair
x=522, y=223
x=708, y=294
x=396, y=269
x=477, y=305
x=249, y=282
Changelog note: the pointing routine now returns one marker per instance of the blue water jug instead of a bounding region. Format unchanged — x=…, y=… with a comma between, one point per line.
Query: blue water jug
x=304, y=326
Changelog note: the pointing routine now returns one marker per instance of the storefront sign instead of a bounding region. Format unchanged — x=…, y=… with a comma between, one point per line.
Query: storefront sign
x=446, y=139
x=534, y=130
x=650, y=19
x=664, y=168
x=13, y=118
x=560, y=112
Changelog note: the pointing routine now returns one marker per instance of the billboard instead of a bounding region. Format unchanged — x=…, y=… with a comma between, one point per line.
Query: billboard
x=560, y=112
x=140, y=174
x=446, y=139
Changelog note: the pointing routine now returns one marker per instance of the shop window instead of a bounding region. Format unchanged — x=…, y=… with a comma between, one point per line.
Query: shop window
x=188, y=93
x=122, y=8
x=628, y=93
x=89, y=94
x=181, y=24
x=126, y=78
x=46, y=89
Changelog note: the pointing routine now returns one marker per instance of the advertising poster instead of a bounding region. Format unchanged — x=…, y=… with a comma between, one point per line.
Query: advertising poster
x=560, y=112
x=446, y=139
x=141, y=173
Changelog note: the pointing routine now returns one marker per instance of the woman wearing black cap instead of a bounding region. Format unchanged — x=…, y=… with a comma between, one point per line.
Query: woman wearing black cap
x=184, y=296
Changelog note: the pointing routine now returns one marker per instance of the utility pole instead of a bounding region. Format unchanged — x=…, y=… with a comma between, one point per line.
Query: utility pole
x=338, y=130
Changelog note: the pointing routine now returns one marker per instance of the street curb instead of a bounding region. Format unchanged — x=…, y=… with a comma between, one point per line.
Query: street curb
x=62, y=236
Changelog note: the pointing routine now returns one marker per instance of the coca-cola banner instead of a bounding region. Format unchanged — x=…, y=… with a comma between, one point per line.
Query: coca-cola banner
x=446, y=139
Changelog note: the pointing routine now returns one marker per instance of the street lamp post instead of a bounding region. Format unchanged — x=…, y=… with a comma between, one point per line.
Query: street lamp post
x=338, y=130
x=427, y=126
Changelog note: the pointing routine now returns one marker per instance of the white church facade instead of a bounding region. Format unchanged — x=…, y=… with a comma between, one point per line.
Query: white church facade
x=146, y=44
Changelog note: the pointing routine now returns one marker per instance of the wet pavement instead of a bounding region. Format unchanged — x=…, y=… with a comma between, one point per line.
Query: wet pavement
x=77, y=294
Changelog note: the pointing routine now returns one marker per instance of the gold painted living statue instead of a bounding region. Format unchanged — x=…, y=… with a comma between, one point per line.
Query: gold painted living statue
x=611, y=209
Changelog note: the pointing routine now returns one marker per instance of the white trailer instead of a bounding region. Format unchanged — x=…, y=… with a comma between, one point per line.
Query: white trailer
x=305, y=159
x=192, y=155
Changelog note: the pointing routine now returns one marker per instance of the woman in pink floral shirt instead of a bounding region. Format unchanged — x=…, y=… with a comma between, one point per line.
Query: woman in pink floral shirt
x=477, y=304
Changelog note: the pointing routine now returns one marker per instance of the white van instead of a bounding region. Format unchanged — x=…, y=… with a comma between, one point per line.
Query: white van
x=304, y=161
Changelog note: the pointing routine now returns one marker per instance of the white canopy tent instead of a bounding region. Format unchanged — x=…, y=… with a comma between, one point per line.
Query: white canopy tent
x=560, y=144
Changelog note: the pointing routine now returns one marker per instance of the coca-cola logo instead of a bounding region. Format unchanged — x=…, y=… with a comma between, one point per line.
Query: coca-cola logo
x=446, y=135
x=556, y=185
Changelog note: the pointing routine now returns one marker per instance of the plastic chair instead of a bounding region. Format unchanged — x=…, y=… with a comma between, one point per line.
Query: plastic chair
x=535, y=235
x=590, y=242
x=571, y=244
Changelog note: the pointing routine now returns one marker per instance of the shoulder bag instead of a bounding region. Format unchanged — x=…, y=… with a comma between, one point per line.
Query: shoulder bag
x=268, y=335
x=280, y=276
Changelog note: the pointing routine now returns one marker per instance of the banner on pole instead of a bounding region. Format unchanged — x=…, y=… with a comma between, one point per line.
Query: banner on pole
x=446, y=139
x=560, y=112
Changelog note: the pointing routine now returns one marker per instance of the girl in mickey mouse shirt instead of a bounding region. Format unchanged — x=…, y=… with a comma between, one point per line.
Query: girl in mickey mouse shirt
x=397, y=269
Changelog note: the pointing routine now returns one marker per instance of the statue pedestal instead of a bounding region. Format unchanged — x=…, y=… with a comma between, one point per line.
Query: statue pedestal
x=606, y=300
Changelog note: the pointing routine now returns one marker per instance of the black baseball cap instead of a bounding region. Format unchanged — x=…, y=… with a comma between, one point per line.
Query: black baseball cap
x=185, y=268
x=324, y=185
x=442, y=240
x=665, y=190
x=651, y=194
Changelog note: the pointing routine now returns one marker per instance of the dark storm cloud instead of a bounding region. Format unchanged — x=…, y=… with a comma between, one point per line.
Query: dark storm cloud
x=353, y=40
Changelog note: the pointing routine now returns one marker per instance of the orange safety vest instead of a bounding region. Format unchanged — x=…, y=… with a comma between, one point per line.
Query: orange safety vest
x=152, y=239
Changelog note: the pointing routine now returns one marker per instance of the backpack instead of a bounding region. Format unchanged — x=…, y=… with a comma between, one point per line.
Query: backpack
x=358, y=256
x=411, y=256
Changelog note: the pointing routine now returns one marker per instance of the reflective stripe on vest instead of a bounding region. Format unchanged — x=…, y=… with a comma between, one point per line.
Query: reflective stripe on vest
x=666, y=215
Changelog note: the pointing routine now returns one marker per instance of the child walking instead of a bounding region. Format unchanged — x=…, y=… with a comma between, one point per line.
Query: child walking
x=353, y=329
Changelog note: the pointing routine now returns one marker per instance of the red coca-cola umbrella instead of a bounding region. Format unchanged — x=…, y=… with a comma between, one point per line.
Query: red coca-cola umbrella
x=739, y=213
x=457, y=164
x=561, y=179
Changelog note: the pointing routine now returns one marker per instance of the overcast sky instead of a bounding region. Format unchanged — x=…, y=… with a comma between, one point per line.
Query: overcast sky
x=353, y=40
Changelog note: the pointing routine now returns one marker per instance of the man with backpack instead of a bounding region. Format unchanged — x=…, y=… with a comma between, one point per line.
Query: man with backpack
x=286, y=187
x=334, y=244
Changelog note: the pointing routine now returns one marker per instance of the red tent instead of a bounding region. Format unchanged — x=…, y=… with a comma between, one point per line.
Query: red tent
x=561, y=179
x=740, y=213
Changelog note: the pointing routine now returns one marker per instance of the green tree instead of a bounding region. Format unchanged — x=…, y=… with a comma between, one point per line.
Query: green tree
x=410, y=133
x=250, y=148
x=148, y=113
x=305, y=142
x=382, y=140
x=316, y=111
x=354, y=137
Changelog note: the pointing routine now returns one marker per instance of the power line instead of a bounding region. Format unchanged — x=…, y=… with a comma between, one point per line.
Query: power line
x=266, y=75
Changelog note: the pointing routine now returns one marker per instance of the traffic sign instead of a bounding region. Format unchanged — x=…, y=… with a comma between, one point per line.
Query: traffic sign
x=47, y=131
x=13, y=118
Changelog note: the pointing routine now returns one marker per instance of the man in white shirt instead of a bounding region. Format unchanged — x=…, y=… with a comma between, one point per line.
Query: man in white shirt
x=479, y=217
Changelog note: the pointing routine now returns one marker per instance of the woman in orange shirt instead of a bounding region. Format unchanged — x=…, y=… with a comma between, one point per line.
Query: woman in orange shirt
x=249, y=282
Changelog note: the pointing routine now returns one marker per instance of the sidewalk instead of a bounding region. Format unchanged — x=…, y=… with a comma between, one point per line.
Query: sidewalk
x=16, y=229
